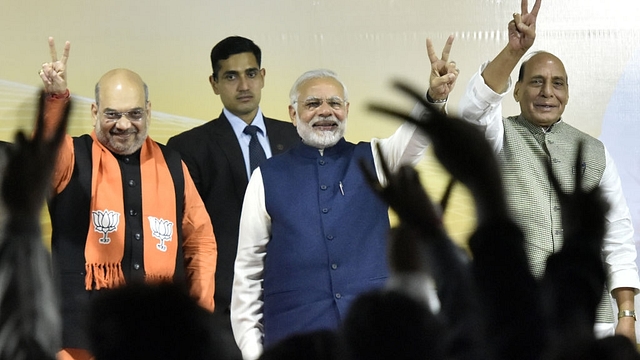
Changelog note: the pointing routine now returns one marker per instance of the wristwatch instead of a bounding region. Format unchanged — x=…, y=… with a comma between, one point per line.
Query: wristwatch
x=627, y=313
x=433, y=101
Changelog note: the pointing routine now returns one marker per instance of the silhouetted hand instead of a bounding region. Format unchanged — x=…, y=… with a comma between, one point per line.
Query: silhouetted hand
x=462, y=150
x=420, y=245
x=574, y=276
x=406, y=195
x=30, y=163
x=29, y=307
x=583, y=212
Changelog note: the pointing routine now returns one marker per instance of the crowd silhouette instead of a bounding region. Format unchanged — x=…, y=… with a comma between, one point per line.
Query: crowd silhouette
x=30, y=322
x=491, y=307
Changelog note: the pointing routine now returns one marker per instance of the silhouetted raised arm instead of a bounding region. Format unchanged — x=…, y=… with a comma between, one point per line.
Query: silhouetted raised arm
x=29, y=313
x=507, y=291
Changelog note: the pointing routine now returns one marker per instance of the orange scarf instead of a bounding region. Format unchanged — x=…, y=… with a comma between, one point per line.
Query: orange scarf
x=104, y=248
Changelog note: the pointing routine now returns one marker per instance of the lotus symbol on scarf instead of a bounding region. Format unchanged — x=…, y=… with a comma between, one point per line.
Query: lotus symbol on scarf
x=105, y=222
x=162, y=230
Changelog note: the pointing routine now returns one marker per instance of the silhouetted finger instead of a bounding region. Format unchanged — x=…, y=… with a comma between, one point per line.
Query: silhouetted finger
x=447, y=194
x=392, y=112
x=554, y=181
x=371, y=177
x=383, y=163
x=580, y=166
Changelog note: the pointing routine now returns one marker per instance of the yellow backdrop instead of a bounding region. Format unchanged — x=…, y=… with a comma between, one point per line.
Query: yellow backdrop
x=367, y=42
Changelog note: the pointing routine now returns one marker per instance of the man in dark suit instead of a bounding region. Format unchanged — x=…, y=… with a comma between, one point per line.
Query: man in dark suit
x=217, y=153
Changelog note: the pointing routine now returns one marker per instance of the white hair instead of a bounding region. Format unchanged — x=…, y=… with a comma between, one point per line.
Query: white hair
x=314, y=74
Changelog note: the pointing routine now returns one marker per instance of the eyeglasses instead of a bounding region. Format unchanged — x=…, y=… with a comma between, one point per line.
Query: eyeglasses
x=334, y=102
x=132, y=115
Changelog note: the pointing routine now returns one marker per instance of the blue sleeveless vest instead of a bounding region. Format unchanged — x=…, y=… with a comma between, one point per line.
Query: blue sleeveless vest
x=328, y=237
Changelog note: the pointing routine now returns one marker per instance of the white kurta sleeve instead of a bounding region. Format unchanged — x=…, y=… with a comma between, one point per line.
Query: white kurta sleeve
x=246, y=296
x=482, y=106
x=406, y=146
x=619, y=250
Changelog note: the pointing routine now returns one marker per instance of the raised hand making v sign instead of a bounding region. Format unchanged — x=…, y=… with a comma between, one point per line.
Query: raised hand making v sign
x=118, y=181
x=522, y=33
x=539, y=137
x=443, y=72
x=54, y=73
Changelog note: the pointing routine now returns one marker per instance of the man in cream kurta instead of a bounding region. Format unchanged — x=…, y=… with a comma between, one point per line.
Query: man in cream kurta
x=526, y=143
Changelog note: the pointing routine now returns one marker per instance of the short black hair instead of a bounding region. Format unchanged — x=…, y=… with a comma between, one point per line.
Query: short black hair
x=231, y=46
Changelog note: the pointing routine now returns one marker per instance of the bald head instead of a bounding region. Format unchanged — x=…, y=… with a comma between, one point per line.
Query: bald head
x=540, y=56
x=122, y=112
x=119, y=76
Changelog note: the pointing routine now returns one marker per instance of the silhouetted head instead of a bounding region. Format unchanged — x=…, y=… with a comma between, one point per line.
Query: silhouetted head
x=160, y=322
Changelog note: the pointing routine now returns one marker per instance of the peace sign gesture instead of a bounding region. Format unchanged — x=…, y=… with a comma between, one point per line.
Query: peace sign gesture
x=54, y=73
x=522, y=29
x=443, y=72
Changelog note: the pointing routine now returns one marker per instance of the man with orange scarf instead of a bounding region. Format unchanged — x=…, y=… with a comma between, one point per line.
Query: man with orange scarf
x=124, y=208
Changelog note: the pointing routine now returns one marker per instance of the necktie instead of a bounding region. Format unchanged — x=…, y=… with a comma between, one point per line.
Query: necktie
x=256, y=152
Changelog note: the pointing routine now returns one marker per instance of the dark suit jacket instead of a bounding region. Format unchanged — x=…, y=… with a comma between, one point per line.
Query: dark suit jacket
x=214, y=158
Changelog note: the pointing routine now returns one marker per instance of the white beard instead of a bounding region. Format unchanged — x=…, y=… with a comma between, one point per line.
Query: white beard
x=318, y=138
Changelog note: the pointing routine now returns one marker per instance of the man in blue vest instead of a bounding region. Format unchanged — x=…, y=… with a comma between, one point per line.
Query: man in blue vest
x=312, y=233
